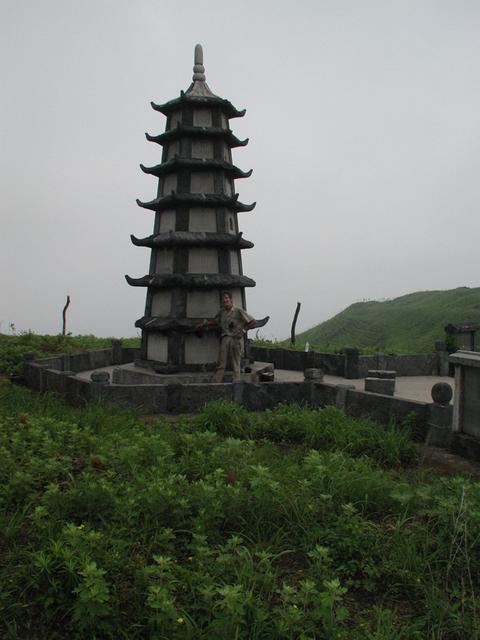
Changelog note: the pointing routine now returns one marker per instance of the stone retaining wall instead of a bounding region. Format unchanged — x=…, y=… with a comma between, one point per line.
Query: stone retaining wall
x=424, y=364
x=52, y=374
x=433, y=421
x=349, y=365
x=332, y=363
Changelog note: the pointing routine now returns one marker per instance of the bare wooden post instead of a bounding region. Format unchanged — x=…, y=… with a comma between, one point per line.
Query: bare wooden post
x=64, y=316
x=294, y=323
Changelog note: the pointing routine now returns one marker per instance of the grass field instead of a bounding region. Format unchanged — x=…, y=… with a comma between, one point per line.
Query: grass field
x=294, y=523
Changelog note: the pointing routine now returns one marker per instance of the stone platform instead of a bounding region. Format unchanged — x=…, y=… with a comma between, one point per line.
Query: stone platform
x=111, y=376
x=131, y=374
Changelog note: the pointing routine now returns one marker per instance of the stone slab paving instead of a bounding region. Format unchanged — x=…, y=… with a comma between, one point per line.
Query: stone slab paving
x=408, y=387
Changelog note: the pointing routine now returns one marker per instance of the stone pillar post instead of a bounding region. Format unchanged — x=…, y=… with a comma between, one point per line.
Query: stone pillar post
x=442, y=358
x=352, y=362
x=116, y=352
x=466, y=412
x=459, y=400
x=439, y=421
x=342, y=395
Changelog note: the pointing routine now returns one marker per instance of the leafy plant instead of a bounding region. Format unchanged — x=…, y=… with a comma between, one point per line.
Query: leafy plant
x=292, y=523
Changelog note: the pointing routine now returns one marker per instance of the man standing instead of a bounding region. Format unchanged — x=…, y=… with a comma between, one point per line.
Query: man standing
x=234, y=323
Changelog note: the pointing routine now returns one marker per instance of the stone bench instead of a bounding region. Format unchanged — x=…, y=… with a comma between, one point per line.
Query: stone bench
x=381, y=381
x=314, y=374
x=381, y=373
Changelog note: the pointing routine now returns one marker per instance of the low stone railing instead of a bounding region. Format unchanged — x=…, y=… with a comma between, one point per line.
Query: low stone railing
x=59, y=374
x=351, y=364
x=433, y=420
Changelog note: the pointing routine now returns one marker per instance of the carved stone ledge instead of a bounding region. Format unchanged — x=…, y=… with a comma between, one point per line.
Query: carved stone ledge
x=191, y=281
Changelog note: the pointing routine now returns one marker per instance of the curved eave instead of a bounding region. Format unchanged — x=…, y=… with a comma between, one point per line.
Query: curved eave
x=196, y=199
x=191, y=281
x=195, y=164
x=201, y=101
x=197, y=132
x=193, y=239
x=184, y=325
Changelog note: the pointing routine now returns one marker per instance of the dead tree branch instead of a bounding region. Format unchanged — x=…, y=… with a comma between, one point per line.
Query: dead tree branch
x=294, y=323
x=64, y=317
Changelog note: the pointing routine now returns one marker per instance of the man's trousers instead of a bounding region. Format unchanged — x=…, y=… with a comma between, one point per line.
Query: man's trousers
x=233, y=347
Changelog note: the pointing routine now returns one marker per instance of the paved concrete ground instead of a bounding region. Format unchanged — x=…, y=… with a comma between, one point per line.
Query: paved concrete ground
x=409, y=387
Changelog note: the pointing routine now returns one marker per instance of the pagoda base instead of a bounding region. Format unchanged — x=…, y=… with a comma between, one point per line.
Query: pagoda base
x=173, y=369
x=131, y=374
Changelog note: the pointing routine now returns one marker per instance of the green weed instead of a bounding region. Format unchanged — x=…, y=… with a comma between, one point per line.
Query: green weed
x=293, y=523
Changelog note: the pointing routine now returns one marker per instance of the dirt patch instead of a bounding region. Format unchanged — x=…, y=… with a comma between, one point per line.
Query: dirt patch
x=445, y=463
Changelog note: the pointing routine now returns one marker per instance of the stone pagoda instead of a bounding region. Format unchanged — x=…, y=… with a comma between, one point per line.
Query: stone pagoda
x=196, y=243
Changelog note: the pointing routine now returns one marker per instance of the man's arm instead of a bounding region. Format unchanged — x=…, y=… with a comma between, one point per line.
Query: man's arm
x=248, y=325
x=207, y=323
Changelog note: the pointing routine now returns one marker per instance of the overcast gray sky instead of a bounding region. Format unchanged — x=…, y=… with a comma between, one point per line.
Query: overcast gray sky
x=364, y=128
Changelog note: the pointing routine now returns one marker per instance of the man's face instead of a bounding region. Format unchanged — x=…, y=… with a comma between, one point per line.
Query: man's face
x=227, y=302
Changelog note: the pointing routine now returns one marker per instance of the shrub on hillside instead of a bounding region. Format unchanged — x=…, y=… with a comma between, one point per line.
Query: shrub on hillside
x=12, y=348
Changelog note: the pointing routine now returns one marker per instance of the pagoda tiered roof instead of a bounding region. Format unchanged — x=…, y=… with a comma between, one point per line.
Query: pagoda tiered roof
x=193, y=239
x=199, y=94
x=191, y=281
x=177, y=163
x=198, y=200
x=183, y=325
x=198, y=132
x=199, y=101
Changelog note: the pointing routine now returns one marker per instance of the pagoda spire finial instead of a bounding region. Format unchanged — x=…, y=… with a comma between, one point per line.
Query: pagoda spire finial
x=198, y=68
x=199, y=88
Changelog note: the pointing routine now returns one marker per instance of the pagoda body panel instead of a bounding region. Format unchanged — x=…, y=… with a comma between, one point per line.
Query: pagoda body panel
x=196, y=243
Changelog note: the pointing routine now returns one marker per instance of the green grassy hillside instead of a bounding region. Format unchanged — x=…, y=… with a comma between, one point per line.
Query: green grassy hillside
x=407, y=324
